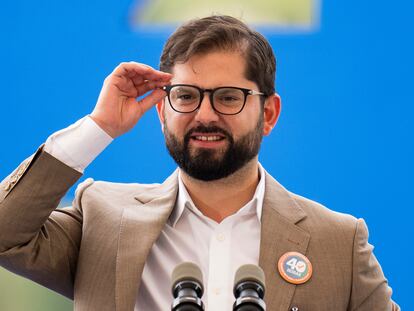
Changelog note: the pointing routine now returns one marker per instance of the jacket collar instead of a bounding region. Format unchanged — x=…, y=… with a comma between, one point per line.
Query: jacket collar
x=152, y=192
x=184, y=200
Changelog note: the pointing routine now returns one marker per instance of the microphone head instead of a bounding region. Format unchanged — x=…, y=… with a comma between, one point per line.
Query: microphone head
x=185, y=272
x=249, y=273
x=249, y=288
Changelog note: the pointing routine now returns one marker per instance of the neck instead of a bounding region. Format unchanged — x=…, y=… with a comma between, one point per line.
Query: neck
x=221, y=198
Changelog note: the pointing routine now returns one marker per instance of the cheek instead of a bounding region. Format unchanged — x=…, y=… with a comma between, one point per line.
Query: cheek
x=245, y=122
x=177, y=122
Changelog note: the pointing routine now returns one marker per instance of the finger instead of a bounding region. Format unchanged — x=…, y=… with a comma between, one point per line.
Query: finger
x=146, y=72
x=152, y=99
x=123, y=84
x=163, y=74
x=138, y=80
x=149, y=85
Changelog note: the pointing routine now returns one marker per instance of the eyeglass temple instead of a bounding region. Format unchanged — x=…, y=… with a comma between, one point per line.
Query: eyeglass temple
x=253, y=92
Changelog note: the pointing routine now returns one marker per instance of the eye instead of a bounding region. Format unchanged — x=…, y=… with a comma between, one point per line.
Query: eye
x=184, y=96
x=229, y=98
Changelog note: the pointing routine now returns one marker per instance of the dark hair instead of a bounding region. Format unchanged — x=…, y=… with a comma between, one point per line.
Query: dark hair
x=223, y=33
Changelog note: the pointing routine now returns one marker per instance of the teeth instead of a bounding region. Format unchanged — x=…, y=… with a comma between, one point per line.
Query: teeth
x=208, y=138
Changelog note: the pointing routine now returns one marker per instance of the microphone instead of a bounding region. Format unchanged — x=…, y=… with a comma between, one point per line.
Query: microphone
x=249, y=289
x=187, y=287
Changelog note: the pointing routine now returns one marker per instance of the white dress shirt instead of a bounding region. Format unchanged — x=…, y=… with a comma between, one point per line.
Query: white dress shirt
x=219, y=249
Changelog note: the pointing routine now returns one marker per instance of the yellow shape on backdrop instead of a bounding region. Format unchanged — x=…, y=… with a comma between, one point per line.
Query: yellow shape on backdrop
x=285, y=13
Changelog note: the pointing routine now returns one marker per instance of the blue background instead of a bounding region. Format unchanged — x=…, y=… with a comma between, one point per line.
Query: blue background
x=344, y=137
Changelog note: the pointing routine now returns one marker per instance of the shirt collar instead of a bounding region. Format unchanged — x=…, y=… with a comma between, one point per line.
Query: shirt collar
x=184, y=200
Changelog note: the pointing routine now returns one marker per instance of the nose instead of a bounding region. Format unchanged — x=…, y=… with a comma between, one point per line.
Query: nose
x=205, y=113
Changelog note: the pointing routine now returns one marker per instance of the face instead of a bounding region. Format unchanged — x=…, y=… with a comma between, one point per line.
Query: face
x=205, y=144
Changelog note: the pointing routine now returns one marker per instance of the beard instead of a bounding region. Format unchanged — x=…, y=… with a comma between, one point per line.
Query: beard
x=207, y=164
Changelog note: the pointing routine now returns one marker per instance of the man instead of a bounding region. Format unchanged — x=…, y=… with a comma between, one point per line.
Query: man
x=115, y=248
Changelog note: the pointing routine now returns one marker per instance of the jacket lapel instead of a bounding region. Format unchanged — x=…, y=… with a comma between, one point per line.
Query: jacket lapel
x=140, y=227
x=279, y=235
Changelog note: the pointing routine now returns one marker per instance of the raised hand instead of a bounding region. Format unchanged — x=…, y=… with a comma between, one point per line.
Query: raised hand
x=117, y=109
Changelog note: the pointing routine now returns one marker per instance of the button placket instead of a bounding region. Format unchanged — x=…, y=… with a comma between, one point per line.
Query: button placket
x=219, y=266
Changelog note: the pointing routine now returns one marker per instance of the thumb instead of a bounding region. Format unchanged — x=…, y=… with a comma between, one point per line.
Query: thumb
x=151, y=99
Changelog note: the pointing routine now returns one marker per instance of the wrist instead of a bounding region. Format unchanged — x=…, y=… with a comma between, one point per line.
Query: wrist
x=104, y=126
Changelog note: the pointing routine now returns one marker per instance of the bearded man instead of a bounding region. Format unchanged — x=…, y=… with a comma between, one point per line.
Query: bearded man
x=115, y=247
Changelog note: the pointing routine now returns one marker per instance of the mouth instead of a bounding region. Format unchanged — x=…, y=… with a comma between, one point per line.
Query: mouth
x=207, y=137
x=210, y=140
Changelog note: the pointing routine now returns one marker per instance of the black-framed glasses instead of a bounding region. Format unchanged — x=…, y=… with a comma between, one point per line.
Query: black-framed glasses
x=228, y=100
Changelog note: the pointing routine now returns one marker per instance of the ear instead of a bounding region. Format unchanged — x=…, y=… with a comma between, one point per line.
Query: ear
x=161, y=113
x=271, y=112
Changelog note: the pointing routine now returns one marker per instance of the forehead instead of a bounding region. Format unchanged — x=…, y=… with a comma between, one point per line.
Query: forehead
x=211, y=70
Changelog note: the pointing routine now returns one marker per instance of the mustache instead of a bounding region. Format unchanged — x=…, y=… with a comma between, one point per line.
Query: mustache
x=206, y=130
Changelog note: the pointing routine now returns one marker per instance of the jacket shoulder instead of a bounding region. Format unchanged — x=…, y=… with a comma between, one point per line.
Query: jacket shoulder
x=323, y=215
x=110, y=190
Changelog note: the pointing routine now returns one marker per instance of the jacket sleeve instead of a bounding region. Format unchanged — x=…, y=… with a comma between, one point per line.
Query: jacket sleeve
x=370, y=290
x=37, y=240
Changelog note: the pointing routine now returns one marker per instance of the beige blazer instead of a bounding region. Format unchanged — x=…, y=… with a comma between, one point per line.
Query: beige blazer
x=94, y=252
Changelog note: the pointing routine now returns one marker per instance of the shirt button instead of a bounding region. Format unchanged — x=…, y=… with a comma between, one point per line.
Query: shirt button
x=7, y=186
x=14, y=179
x=221, y=237
x=217, y=291
x=21, y=171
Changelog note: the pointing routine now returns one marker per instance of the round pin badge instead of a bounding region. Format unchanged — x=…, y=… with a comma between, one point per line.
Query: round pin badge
x=295, y=268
